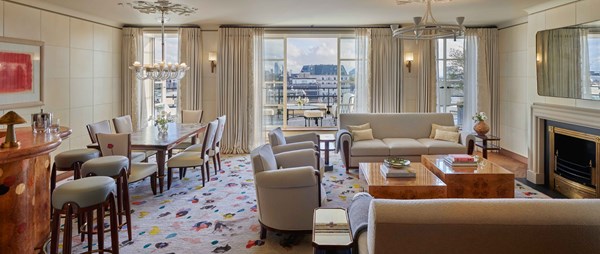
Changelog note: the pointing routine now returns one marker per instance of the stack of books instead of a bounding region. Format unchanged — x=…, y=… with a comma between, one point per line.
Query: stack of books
x=396, y=172
x=460, y=160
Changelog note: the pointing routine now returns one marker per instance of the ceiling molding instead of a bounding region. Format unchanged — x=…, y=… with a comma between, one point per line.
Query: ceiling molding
x=548, y=5
x=514, y=22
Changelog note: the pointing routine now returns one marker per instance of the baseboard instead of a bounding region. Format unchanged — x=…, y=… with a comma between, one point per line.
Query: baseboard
x=63, y=176
x=514, y=156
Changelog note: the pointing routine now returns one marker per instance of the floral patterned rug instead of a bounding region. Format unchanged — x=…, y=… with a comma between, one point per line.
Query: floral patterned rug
x=222, y=216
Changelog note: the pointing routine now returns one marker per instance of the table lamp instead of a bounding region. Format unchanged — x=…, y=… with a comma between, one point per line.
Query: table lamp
x=10, y=119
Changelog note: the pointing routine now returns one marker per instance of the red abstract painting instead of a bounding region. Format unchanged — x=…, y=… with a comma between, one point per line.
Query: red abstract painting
x=16, y=72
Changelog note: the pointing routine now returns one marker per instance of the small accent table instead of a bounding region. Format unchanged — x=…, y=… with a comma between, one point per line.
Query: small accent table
x=485, y=142
x=331, y=231
x=327, y=145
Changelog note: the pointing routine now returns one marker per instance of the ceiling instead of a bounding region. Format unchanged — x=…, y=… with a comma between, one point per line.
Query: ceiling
x=212, y=13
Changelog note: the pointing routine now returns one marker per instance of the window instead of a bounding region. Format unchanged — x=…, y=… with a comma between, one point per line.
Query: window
x=302, y=75
x=593, y=69
x=450, y=77
x=160, y=96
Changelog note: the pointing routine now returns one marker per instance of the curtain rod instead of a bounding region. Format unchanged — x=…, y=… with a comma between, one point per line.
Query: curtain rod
x=302, y=27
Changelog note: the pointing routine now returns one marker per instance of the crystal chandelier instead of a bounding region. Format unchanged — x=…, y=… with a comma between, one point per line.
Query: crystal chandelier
x=426, y=27
x=160, y=71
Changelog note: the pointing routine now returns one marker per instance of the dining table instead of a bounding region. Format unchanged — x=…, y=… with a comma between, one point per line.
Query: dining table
x=149, y=139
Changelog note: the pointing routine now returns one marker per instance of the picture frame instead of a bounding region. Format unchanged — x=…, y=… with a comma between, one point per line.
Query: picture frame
x=21, y=81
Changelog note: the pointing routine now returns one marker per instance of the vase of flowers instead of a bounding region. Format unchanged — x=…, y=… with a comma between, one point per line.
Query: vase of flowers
x=301, y=101
x=162, y=122
x=480, y=127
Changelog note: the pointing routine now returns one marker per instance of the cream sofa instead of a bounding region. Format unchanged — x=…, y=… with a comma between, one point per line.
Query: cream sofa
x=396, y=134
x=481, y=226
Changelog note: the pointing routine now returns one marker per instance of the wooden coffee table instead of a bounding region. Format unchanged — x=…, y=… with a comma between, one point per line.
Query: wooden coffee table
x=424, y=185
x=487, y=180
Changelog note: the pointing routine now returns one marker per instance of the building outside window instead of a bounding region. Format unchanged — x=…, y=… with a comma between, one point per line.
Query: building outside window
x=451, y=77
x=304, y=75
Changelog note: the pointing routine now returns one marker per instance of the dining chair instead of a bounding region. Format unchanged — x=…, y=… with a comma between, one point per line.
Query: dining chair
x=188, y=116
x=184, y=160
x=123, y=124
x=104, y=127
x=215, y=150
x=120, y=144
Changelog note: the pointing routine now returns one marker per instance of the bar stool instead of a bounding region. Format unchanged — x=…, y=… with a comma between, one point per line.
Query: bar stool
x=82, y=197
x=71, y=161
x=114, y=166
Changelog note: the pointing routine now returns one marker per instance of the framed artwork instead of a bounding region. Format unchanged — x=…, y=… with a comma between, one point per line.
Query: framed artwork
x=20, y=73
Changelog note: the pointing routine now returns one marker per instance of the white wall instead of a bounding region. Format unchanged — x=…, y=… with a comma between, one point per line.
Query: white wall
x=209, y=80
x=410, y=91
x=518, y=83
x=81, y=62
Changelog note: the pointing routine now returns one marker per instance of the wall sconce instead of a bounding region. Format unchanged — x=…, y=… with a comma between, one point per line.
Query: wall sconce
x=408, y=57
x=538, y=57
x=212, y=57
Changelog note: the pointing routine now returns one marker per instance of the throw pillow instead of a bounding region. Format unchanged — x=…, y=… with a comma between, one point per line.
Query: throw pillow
x=365, y=126
x=359, y=135
x=435, y=127
x=447, y=136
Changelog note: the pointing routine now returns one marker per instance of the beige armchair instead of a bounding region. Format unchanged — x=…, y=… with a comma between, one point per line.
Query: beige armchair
x=281, y=143
x=288, y=189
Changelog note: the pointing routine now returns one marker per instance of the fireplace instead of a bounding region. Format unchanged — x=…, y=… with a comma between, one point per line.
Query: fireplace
x=571, y=155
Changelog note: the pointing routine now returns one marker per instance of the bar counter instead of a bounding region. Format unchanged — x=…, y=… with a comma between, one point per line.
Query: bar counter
x=25, y=191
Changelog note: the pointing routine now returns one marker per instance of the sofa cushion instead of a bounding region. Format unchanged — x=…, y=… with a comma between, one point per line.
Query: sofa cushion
x=405, y=146
x=358, y=135
x=435, y=127
x=359, y=127
x=442, y=147
x=447, y=136
x=374, y=147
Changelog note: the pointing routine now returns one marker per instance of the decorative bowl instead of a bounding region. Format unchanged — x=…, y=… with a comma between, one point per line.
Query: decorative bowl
x=396, y=162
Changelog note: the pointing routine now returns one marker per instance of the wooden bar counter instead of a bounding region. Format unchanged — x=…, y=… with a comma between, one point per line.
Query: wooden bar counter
x=25, y=191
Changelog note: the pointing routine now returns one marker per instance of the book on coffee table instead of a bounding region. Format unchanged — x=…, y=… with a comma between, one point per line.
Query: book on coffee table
x=450, y=161
x=397, y=172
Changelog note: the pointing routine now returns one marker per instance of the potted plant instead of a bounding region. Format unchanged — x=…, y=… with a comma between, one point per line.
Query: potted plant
x=480, y=127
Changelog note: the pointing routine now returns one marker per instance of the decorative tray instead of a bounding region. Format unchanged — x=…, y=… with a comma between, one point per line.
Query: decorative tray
x=396, y=162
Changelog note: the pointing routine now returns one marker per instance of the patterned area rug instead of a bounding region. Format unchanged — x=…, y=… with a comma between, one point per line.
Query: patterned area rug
x=222, y=216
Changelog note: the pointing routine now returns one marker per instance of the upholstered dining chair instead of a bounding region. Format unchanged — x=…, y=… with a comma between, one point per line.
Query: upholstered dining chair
x=288, y=189
x=104, y=127
x=120, y=144
x=184, y=160
x=188, y=116
x=123, y=124
x=215, y=150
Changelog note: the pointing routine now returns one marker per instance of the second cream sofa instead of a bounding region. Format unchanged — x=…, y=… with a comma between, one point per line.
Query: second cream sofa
x=404, y=135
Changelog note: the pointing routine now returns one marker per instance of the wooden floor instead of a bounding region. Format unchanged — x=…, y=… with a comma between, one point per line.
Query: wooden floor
x=517, y=167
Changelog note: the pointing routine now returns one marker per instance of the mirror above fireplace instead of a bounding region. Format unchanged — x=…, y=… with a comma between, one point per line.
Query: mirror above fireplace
x=568, y=62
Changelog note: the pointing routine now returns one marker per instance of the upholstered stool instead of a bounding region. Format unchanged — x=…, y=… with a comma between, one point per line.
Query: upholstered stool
x=82, y=197
x=71, y=161
x=313, y=114
x=114, y=166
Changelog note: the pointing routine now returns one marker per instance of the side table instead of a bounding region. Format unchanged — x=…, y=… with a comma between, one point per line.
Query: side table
x=331, y=231
x=327, y=145
x=485, y=142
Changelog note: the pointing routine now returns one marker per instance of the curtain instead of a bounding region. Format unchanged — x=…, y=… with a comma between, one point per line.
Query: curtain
x=560, y=66
x=363, y=92
x=131, y=87
x=236, y=87
x=426, y=76
x=485, y=83
x=190, y=52
x=470, y=85
x=386, y=63
x=259, y=130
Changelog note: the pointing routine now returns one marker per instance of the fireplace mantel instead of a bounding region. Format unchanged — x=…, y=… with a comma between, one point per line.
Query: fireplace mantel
x=540, y=112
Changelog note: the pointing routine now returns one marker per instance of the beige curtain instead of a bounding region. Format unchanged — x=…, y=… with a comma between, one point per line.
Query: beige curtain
x=486, y=67
x=130, y=85
x=236, y=88
x=386, y=63
x=426, y=76
x=363, y=79
x=190, y=52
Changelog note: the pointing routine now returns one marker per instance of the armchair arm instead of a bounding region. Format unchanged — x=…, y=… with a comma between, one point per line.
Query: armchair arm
x=297, y=177
x=293, y=147
x=298, y=158
x=311, y=136
x=343, y=144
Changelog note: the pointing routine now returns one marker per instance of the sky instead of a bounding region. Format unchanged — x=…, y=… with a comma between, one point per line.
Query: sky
x=594, y=49
x=304, y=51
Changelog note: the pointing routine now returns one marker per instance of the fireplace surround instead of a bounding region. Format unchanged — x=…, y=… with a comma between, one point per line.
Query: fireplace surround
x=542, y=113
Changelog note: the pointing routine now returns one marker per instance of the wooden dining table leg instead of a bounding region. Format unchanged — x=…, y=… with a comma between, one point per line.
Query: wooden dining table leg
x=160, y=161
